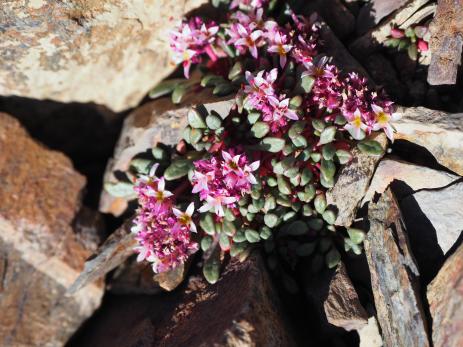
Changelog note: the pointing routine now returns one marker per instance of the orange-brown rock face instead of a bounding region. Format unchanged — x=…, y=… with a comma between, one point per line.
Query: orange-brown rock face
x=40, y=255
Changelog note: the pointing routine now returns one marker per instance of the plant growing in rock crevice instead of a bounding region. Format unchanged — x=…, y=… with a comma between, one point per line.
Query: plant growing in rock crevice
x=259, y=173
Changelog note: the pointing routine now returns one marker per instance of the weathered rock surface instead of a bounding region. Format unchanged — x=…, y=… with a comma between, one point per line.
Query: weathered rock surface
x=352, y=183
x=40, y=254
x=369, y=335
x=441, y=133
x=338, y=17
x=342, y=306
x=157, y=121
x=446, y=42
x=414, y=176
x=61, y=51
x=442, y=207
x=394, y=276
x=445, y=298
x=372, y=13
x=241, y=309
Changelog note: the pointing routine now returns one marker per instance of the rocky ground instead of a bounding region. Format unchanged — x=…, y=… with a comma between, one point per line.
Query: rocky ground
x=67, y=273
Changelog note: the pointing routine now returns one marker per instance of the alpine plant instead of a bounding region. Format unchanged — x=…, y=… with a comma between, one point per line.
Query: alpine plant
x=258, y=174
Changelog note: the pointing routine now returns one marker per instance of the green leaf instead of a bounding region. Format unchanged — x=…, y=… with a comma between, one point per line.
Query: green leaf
x=320, y=203
x=328, y=151
x=120, y=189
x=291, y=172
x=159, y=153
x=211, y=80
x=306, y=176
x=305, y=249
x=272, y=182
x=296, y=129
x=307, y=211
x=356, y=235
x=271, y=220
x=318, y=124
x=327, y=182
x=315, y=156
x=371, y=147
x=206, y=223
x=195, y=135
x=164, y=88
x=253, y=117
x=295, y=101
x=178, y=169
x=343, y=156
x=229, y=216
x=315, y=224
x=206, y=243
x=237, y=248
x=252, y=236
x=327, y=135
x=299, y=141
x=195, y=119
x=332, y=258
x=260, y=129
x=329, y=217
x=297, y=228
x=265, y=233
x=224, y=242
x=178, y=93
x=239, y=236
x=223, y=89
x=307, y=83
x=269, y=203
x=213, y=122
x=327, y=168
x=236, y=70
x=211, y=268
x=141, y=165
x=273, y=144
x=392, y=42
x=412, y=52
x=283, y=185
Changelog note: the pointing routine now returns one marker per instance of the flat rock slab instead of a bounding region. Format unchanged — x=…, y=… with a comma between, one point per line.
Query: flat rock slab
x=352, y=183
x=375, y=10
x=61, y=50
x=40, y=255
x=394, y=276
x=241, y=309
x=445, y=298
x=154, y=122
x=446, y=42
x=441, y=133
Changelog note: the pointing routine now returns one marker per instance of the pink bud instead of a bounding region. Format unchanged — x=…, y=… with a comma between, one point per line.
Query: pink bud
x=397, y=33
x=422, y=46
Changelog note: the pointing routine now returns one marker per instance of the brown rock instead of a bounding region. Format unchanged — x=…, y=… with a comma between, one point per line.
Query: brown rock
x=60, y=50
x=394, y=276
x=157, y=121
x=241, y=309
x=439, y=132
x=416, y=177
x=445, y=298
x=342, y=306
x=446, y=42
x=39, y=251
x=352, y=183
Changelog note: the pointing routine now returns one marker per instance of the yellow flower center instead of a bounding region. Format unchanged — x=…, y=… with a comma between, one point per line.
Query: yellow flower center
x=281, y=50
x=382, y=117
x=184, y=219
x=357, y=122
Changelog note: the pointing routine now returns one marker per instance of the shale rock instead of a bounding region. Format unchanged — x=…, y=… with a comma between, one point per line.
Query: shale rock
x=445, y=298
x=106, y=52
x=441, y=133
x=375, y=10
x=156, y=121
x=40, y=254
x=394, y=276
x=241, y=309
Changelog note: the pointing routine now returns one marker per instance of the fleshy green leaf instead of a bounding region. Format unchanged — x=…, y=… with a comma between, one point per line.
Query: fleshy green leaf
x=283, y=185
x=178, y=169
x=371, y=147
x=178, y=93
x=343, y=156
x=356, y=235
x=252, y=236
x=327, y=168
x=141, y=165
x=253, y=117
x=320, y=203
x=307, y=83
x=306, y=176
x=329, y=217
x=239, y=236
x=195, y=119
x=223, y=89
x=260, y=129
x=265, y=233
x=327, y=135
x=120, y=189
x=273, y=144
x=211, y=268
x=236, y=70
x=206, y=243
x=271, y=220
x=328, y=151
x=164, y=88
x=315, y=224
x=206, y=223
x=332, y=258
x=213, y=122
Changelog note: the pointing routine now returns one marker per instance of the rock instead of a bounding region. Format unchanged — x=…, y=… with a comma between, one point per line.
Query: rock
x=352, y=183
x=60, y=50
x=156, y=121
x=241, y=309
x=372, y=13
x=40, y=254
x=89, y=227
x=369, y=335
x=442, y=207
x=117, y=248
x=342, y=306
x=394, y=276
x=439, y=132
x=446, y=42
x=337, y=16
x=445, y=298
x=374, y=38
x=416, y=177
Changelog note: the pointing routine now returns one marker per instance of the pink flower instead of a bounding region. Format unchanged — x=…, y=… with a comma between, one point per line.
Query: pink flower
x=422, y=45
x=217, y=203
x=280, y=46
x=397, y=33
x=245, y=38
x=259, y=88
x=383, y=119
x=247, y=4
x=356, y=127
x=184, y=218
x=202, y=181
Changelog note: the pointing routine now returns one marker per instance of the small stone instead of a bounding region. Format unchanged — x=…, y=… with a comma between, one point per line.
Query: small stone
x=441, y=133
x=445, y=298
x=342, y=306
x=40, y=253
x=394, y=276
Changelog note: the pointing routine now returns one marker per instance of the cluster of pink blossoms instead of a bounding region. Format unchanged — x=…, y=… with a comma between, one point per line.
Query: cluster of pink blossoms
x=222, y=181
x=162, y=231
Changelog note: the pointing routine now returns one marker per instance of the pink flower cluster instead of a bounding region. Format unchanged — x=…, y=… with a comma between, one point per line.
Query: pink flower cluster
x=162, y=231
x=222, y=181
x=193, y=39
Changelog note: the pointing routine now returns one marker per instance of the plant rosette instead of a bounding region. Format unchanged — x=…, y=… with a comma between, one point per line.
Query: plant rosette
x=415, y=40
x=257, y=176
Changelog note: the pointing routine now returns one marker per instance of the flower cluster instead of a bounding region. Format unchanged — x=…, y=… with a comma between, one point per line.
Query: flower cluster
x=162, y=231
x=414, y=39
x=222, y=181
